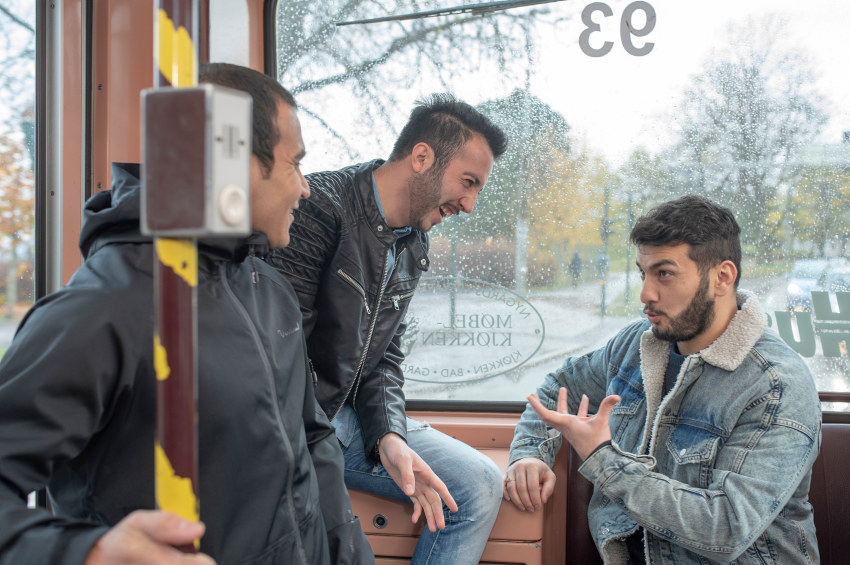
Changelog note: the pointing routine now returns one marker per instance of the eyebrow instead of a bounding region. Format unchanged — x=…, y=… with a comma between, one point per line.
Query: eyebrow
x=656, y=265
x=301, y=154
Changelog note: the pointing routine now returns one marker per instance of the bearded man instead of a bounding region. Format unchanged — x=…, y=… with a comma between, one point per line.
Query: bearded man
x=358, y=247
x=707, y=424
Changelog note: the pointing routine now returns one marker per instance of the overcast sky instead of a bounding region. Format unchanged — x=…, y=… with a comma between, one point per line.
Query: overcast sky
x=618, y=102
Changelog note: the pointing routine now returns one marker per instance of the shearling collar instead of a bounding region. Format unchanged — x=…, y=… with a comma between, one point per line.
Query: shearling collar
x=726, y=352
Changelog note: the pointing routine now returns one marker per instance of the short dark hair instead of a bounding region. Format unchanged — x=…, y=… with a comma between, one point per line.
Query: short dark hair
x=266, y=93
x=710, y=230
x=446, y=124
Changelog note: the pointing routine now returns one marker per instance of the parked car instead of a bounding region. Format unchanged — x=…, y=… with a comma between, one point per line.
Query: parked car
x=802, y=279
x=835, y=280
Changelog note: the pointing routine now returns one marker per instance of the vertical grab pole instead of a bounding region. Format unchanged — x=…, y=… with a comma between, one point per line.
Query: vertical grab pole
x=175, y=295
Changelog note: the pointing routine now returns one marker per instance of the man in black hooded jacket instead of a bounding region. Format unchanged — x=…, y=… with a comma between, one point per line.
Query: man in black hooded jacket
x=77, y=391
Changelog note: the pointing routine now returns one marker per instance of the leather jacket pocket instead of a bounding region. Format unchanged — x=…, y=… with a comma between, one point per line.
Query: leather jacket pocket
x=352, y=282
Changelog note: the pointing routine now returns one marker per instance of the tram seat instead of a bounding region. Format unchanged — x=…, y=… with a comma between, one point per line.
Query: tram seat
x=830, y=494
x=528, y=539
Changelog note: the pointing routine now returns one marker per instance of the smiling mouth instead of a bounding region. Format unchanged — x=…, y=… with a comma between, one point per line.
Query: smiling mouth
x=446, y=211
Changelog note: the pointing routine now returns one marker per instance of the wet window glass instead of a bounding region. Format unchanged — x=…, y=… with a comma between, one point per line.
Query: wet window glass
x=17, y=146
x=610, y=107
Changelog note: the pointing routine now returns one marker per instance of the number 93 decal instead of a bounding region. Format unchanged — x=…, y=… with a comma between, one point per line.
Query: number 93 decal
x=627, y=29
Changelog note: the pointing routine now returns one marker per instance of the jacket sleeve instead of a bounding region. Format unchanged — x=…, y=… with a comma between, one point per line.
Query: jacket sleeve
x=347, y=542
x=583, y=375
x=767, y=457
x=52, y=399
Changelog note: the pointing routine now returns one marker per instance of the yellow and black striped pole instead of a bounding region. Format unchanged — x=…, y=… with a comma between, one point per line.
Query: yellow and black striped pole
x=175, y=294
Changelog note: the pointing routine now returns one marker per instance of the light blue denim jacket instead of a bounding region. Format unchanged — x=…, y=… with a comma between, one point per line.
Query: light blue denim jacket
x=718, y=470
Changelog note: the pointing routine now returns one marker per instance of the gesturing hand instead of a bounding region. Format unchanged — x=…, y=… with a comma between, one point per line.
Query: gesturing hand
x=148, y=537
x=585, y=433
x=416, y=479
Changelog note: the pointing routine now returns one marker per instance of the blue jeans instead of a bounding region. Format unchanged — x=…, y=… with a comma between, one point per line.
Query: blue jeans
x=473, y=480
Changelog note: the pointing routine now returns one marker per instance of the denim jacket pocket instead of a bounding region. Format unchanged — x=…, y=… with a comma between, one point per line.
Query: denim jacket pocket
x=692, y=445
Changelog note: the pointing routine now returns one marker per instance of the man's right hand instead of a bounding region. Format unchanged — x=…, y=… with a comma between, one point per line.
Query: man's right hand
x=529, y=483
x=416, y=479
x=149, y=537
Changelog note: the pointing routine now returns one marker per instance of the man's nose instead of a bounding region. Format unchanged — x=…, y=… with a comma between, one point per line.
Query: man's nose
x=647, y=292
x=467, y=203
x=305, y=188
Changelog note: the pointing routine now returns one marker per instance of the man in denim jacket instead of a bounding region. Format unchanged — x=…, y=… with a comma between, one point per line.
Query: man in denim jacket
x=706, y=425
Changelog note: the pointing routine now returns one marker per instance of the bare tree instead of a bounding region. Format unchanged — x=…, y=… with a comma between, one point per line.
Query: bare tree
x=17, y=97
x=371, y=64
x=745, y=119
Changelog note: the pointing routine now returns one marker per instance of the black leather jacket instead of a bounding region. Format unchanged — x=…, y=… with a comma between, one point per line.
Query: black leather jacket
x=77, y=403
x=336, y=261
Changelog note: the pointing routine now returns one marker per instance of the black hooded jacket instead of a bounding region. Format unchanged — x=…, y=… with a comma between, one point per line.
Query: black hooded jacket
x=77, y=407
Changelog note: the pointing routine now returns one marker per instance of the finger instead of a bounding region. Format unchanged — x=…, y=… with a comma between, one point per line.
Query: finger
x=607, y=405
x=428, y=511
x=437, y=508
x=537, y=405
x=562, y=401
x=428, y=478
x=166, y=528
x=417, y=510
x=522, y=488
x=582, y=408
x=533, y=479
x=443, y=493
x=548, y=485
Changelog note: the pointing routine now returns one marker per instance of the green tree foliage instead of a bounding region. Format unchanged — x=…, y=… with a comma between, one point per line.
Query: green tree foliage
x=820, y=207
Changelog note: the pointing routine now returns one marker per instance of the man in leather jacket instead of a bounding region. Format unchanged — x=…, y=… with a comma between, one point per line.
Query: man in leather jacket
x=77, y=391
x=707, y=423
x=359, y=246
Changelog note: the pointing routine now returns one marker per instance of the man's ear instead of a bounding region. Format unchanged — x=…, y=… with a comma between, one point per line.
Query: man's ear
x=421, y=157
x=726, y=273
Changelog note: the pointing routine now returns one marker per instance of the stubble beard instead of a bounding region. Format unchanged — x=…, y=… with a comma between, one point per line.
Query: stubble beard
x=425, y=192
x=693, y=321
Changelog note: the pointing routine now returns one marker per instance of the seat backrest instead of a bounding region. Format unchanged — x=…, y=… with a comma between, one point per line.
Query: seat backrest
x=580, y=546
x=829, y=495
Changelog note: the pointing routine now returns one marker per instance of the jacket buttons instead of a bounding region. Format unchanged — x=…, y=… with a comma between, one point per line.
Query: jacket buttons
x=605, y=531
x=422, y=261
x=380, y=228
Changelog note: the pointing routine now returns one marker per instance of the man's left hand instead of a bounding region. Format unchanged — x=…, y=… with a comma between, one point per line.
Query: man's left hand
x=416, y=479
x=584, y=433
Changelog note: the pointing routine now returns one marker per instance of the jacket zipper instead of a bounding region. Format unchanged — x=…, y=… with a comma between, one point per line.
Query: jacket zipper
x=399, y=297
x=285, y=440
x=347, y=278
x=368, y=337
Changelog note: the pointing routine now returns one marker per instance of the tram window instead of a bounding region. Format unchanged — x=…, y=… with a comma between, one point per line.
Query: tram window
x=17, y=146
x=610, y=107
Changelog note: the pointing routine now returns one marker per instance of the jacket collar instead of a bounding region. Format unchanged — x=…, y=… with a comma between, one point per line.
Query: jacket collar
x=112, y=216
x=416, y=241
x=727, y=352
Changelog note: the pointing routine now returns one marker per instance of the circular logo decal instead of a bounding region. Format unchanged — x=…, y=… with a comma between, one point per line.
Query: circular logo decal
x=461, y=330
